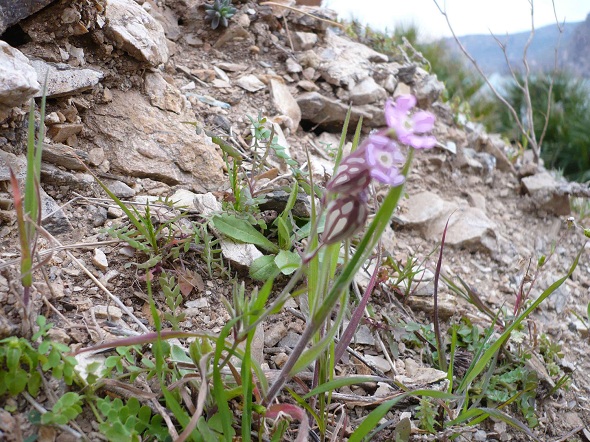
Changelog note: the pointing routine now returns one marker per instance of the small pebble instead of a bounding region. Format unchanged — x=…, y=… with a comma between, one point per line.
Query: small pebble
x=99, y=259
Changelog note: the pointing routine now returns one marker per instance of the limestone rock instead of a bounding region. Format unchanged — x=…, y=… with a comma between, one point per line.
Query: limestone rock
x=494, y=145
x=184, y=199
x=64, y=156
x=328, y=112
x=135, y=31
x=61, y=132
x=232, y=67
x=543, y=189
x=307, y=16
x=367, y=91
x=308, y=86
x=206, y=204
x=421, y=209
x=162, y=94
x=292, y=66
x=18, y=79
x=242, y=255
x=285, y=103
x=303, y=41
x=428, y=89
x=468, y=228
x=146, y=142
x=99, y=260
x=62, y=79
x=345, y=63
x=11, y=12
x=120, y=189
x=251, y=83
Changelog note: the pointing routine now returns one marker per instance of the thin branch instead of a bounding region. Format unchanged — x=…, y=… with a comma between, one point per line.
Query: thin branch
x=560, y=27
x=482, y=74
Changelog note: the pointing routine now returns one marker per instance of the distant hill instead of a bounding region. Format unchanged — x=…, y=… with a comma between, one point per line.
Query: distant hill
x=574, y=50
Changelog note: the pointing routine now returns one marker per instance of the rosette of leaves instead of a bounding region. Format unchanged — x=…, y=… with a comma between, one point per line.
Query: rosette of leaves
x=219, y=12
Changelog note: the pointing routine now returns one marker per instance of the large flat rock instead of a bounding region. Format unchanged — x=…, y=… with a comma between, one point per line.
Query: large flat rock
x=147, y=142
x=18, y=79
x=13, y=11
x=135, y=31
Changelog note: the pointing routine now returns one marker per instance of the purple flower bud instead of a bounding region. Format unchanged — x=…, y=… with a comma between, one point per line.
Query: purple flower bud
x=353, y=175
x=344, y=217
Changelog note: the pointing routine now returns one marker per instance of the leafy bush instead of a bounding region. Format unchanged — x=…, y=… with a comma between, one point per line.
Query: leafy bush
x=566, y=140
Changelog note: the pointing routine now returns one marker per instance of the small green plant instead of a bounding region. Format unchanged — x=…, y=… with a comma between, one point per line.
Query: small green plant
x=426, y=414
x=67, y=408
x=20, y=362
x=157, y=233
x=130, y=421
x=173, y=299
x=219, y=13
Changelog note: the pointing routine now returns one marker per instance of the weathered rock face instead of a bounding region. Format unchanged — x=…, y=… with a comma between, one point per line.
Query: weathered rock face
x=345, y=63
x=543, y=188
x=13, y=11
x=285, y=103
x=135, y=31
x=18, y=79
x=64, y=80
x=330, y=113
x=468, y=227
x=367, y=91
x=162, y=94
x=162, y=147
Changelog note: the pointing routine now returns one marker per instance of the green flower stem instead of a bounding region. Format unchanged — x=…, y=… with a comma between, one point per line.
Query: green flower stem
x=363, y=251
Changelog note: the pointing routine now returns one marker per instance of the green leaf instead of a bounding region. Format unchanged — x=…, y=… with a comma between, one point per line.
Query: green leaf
x=242, y=231
x=34, y=384
x=13, y=354
x=264, y=268
x=338, y=383
x=372, y=420
x=477, y=368
x=284, y=234
x=403, y=430
x=18, y=381
x=287, y=262
x=292, y=200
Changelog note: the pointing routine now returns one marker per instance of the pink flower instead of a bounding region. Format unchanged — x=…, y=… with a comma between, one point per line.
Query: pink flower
x=410, y=127
x=384, y=157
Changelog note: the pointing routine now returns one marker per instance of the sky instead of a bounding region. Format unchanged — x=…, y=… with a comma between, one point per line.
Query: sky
x=466, y=16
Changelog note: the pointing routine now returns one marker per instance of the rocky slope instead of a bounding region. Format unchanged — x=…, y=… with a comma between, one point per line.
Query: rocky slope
x=124, y=79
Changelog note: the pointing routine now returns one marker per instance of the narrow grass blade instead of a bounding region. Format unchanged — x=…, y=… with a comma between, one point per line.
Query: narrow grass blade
x=372, y=420
x=338, y=383
x=487, y=356
x=218, y=388
x=442, y=357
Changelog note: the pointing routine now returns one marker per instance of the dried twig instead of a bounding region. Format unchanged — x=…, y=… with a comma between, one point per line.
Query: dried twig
x=526, y=125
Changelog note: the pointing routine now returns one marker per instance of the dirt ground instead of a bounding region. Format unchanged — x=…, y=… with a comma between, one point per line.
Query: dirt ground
x=522, y=232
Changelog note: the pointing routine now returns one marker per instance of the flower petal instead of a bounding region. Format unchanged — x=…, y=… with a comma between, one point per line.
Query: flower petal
x=405, y=102
x=421, y=141
x=422, y=122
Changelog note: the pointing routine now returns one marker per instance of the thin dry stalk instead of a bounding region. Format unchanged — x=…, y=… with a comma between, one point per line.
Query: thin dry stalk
x=526, y=125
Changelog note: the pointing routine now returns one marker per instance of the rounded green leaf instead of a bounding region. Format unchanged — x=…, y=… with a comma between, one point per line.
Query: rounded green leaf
x=264, y=268
x=287, y=262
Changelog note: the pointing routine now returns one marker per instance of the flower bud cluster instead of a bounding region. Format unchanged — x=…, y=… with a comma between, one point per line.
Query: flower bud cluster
x=378, y=157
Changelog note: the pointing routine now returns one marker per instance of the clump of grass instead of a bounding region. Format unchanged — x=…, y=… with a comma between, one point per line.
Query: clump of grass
x=28, y=207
